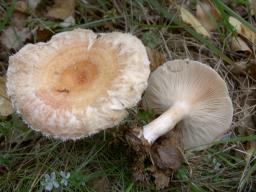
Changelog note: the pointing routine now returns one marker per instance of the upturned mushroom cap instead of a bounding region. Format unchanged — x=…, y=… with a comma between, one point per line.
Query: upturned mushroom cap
x=78, y=83
x=199, y=90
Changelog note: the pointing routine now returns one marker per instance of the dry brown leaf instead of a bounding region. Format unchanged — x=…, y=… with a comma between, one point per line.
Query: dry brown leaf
x=14, y=38
x=69, y=21
x=166, y=151
x=32, y=4
x=5, y=104
x=208, y=15
x=238, y=45
x=24, y=6
x=155, y=57
x=190, y=19
x=42, y=34
x=242, y=29
x=245, y=67
x=19, y=20
x=61, y=9
x=253, y=7
x=21, y=6
x=159, y=160
x=239, y=67
x=161, y=180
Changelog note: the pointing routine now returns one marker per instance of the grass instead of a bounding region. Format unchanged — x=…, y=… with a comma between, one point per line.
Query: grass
x=102, y=162
x=9, y=12
x=27, y=157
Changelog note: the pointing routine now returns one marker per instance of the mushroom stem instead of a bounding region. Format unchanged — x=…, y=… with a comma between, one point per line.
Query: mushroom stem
x=165, y=122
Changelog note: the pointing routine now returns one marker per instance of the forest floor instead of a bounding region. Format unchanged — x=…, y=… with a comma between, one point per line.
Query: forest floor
x=32, y=162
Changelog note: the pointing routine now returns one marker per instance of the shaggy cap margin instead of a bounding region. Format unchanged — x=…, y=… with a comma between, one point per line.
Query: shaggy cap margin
x=39, y=95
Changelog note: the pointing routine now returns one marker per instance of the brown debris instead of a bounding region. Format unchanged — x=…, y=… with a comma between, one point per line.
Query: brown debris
x=239, y=45
x=24, y=6
x=166, y=151
x=190, y=19
x=15, y=35
x=21, y=6
x=161, y=179
x=42, y=34
x=155, y=57
x=207, y=14
x=100, y=184
x=61, y=9
x=252, y=69
x=164, y=156
x=253, y=7
x=242, y=30
x=5, y=104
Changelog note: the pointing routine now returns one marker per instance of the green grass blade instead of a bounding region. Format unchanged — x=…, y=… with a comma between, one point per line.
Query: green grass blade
x=177, y=21
x=220, y=4
x=8, y=16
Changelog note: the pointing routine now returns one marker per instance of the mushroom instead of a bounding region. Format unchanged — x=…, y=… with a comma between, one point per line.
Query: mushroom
x=78, y=83
x=192, y=96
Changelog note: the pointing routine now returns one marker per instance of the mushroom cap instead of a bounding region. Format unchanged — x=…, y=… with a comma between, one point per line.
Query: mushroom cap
x=202, y=89
x=78, y=83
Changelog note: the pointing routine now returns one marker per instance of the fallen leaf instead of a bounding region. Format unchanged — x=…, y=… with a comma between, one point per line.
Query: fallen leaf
x=155, y=57
x=61, y=9
x=159, y=160
x=253, y=7
x=207, y=15
x=239, y=67
x=238, y=45
x=109, y=26
x=139, y=175
x=19, y=20
x=69, y=21
x=5, y=104
x=32, y=4
x=14, y=38
x=242, y=29
x=24, y=6
x=166, y=151
x=247, y=66
x=190, y=19
x=42, y=34
x=21, y=6
x=161, y=180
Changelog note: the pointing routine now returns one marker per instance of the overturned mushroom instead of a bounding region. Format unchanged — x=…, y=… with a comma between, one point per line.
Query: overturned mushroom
x=191, y=95
x=78, y=83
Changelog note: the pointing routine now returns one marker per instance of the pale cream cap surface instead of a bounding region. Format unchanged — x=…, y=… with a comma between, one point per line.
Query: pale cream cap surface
x=78, y=83
x=204, y=92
